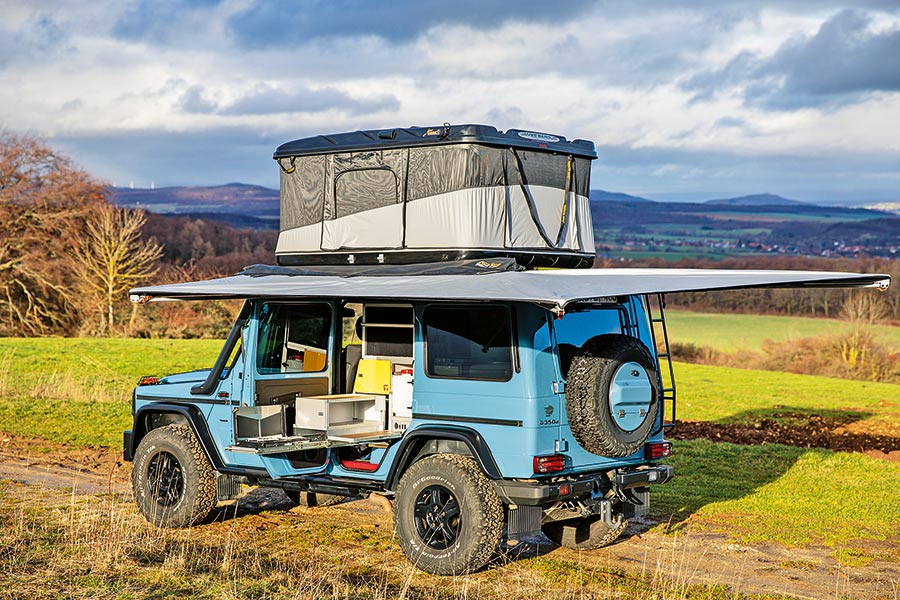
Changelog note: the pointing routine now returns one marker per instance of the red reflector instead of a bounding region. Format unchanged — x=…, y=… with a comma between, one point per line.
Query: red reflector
x=564, y=489
x=658, y=450
x=549, y=464
x=359, y=465
x=148, y=380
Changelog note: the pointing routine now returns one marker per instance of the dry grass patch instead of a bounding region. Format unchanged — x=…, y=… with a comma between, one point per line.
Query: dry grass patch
x=55, y=544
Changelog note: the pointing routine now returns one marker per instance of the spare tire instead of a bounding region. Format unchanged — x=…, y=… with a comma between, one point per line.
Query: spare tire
x=612, y=395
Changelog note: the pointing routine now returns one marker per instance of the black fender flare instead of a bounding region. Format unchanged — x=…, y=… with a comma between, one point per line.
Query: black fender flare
x=195, y=420
x=414, y=440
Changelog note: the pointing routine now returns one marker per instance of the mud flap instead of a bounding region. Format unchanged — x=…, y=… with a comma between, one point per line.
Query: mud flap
x=228, y=487
x=637, y=502
x=523, y=521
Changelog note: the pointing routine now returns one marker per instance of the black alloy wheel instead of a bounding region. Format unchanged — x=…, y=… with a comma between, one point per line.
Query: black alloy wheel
x=448, y=517
x=437, y=517
x=165, y=479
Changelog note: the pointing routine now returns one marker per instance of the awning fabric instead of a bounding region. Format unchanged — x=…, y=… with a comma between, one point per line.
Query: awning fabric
x=552, y=289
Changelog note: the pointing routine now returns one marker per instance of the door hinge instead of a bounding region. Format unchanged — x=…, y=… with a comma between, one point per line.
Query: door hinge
x=559, y=387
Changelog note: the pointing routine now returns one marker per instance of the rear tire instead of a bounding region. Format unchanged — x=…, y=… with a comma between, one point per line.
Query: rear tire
x=173, y=482
x=447, y=516
x=583, y=534
x=312, y=499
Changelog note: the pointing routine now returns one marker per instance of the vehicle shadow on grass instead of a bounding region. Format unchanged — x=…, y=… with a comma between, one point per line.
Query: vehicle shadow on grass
x=254, y=502
x=732, y=458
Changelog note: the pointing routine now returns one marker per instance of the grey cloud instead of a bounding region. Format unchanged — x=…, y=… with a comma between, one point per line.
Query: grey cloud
x=731, y=122
x=40, y=37
x=842, y=57
x=156, y=20
x=194, y=101
x=265, y=100
x=265, y=24
x=837, y=64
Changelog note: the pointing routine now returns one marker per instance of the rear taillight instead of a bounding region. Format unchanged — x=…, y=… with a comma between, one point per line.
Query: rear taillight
x=549, y=464
x=657, y=450
x=148, y=380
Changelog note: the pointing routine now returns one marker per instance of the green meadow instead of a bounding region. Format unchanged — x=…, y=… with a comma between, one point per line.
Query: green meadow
x=734, y=332
x=77, y=392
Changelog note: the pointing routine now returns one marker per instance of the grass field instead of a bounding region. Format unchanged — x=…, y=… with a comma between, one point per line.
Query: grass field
x=733, y=332
x=77, y=392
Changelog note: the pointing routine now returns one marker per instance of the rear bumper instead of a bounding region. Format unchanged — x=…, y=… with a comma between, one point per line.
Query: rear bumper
x=531, y=493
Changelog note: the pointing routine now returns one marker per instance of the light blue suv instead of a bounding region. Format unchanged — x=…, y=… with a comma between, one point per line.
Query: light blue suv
x=478, y=418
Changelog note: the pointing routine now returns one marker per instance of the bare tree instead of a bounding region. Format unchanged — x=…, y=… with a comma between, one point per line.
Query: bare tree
x=863, y=307
x=43, y=200
x=110, y=257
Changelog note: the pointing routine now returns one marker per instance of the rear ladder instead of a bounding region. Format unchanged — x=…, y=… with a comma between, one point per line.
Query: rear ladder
x=660, y=337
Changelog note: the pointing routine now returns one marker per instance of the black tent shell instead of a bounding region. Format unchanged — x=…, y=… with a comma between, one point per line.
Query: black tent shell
x=382, y=139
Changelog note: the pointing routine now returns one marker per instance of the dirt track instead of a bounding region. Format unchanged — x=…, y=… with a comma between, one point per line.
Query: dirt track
x=686, y=557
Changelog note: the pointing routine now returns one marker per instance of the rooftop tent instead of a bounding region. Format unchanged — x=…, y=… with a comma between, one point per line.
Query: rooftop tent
x=435, y=193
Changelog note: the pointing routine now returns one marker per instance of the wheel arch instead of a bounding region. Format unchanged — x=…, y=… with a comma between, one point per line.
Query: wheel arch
x=415, y=446
x=171, y=414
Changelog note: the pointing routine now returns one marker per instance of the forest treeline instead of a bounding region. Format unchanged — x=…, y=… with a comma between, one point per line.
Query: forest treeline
x=68, y=257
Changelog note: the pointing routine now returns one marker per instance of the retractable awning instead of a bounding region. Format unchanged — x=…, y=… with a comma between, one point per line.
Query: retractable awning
x=552, y=289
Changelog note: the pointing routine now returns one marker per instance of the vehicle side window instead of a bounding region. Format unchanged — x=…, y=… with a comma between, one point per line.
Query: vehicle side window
x=293, y=338
x=468, y=342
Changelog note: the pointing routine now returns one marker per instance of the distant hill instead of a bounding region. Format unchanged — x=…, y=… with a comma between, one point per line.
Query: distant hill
x=232, y=198
x=757, y=200
x=603, y=195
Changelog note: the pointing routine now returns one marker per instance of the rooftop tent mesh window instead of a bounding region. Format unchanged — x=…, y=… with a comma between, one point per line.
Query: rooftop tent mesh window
x=365, y=189
x=549, y=170
x=364, y=180
x=302, y=191
x=437, y=170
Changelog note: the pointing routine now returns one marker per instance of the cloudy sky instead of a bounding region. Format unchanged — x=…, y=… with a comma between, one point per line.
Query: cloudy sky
x=694, y=99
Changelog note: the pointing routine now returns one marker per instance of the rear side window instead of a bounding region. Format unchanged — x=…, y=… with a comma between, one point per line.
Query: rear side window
x=468, y=342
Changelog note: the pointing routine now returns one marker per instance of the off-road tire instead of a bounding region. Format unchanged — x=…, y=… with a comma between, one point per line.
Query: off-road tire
x=173, y=494
x=583, y=534
x=587, y=395
x=312, y=499
x=475, y=515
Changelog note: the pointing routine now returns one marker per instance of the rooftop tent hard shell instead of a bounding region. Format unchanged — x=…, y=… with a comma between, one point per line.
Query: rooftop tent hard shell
x=435, y=193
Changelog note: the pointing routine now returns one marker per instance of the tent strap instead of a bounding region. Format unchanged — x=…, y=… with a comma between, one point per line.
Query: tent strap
x=532, y=209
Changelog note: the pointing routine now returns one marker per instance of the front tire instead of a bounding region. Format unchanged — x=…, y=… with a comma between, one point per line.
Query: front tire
x=584, y=534
x=447, y=516
x=173, y=482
